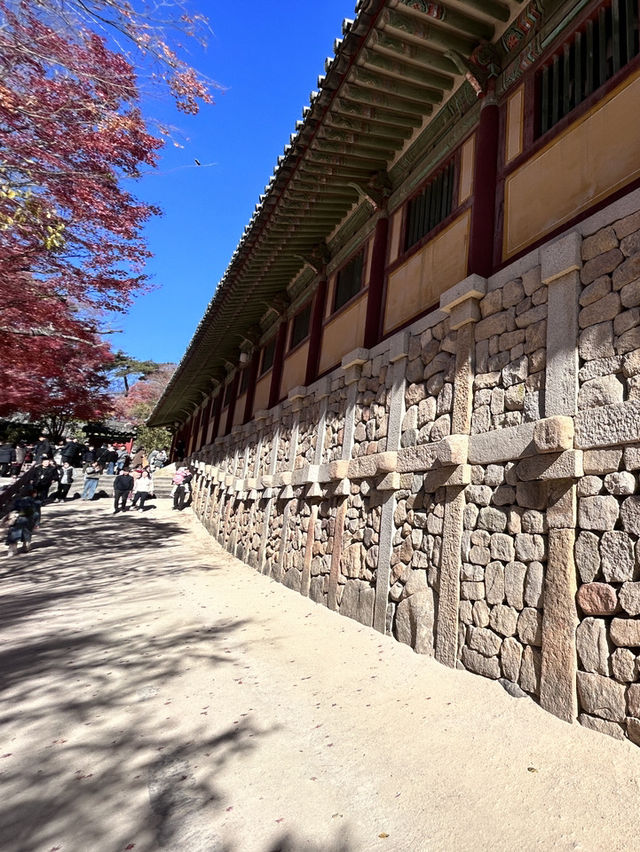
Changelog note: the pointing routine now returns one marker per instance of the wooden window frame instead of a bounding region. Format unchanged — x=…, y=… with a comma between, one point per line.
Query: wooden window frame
x=308, y=308
x=362, y=255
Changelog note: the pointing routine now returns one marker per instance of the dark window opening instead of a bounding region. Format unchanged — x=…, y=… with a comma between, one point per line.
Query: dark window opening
x=244, y=381
x=431, y=207
x=349, y=281
x=603, y=46
x=300, y=326
x=227, y=395
x=268, y=354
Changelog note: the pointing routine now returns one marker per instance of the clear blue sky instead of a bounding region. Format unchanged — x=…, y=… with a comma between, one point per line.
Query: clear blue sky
x=268, y=56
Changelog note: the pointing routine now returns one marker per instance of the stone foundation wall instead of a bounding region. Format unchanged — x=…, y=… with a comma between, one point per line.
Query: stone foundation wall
x=470, y=485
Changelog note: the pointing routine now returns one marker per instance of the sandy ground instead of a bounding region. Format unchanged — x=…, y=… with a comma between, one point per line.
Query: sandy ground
x=158, y=694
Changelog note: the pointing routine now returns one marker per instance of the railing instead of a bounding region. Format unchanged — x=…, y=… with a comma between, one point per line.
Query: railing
x=593, y=55
x=431, y=207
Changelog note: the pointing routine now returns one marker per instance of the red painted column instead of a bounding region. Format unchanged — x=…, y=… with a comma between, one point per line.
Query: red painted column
x=196, y=431
x=278, y=361
x=372, y=328
x=315, y=332
x=217, y=412
x=251, y=386
x=232, y=401
x=483, y=213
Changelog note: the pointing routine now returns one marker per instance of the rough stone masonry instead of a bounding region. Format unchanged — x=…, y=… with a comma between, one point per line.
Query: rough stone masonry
x=470, y=485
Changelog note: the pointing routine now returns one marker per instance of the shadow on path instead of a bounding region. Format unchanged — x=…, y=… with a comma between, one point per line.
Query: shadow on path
x=89, y=682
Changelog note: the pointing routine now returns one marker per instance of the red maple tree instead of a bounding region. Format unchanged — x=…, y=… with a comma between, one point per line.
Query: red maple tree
x=71, y=243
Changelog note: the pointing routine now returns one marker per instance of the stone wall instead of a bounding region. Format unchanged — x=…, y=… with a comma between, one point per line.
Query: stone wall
x=470, y=485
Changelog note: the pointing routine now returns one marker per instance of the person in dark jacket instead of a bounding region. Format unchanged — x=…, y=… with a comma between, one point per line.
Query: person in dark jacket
x=7, y=458
x=89, y=455
x=43, y=449
x=122, y=486
x=44, y=475
x=70, y=452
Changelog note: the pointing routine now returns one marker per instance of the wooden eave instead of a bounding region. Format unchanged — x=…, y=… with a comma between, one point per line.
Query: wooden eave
x=397, y=65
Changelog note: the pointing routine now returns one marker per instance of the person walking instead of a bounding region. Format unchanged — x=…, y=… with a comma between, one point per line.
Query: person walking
x=64, y=483
x=181, y=488
x=142, y=489
x=122, y=457
x=43, y=449
x=122, y=485
x=21, y=452
x=44, y=475
x=111, y=459
x=92, y=473
x=7, y=458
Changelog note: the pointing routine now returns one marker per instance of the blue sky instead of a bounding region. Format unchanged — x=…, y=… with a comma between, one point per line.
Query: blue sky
x=268, y=56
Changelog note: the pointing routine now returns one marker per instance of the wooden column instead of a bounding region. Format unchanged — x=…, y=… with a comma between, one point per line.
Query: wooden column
x=232, y=401
x=483, y=213
x=315, y=336
x=376, y=282
x=251, y=386
x=217, y=413
x=278, y=361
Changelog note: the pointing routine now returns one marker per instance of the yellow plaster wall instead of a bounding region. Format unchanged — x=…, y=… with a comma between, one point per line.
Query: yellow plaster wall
x=294, y=369
x=396, y=233
x=467, y=156
x=238, y=412
x=418, y=283
x=343, y=333
x=596, y=155
x=261, y=397
x=515, y=124
x=223, y=421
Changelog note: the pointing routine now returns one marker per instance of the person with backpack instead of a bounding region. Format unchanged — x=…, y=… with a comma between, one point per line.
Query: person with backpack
x=122, y=486
x=181, y=489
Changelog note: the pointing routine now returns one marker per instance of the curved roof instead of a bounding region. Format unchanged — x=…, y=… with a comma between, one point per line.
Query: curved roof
x=395, y=68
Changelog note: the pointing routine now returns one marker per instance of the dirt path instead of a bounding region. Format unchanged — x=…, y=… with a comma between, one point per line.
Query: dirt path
x=158, y=694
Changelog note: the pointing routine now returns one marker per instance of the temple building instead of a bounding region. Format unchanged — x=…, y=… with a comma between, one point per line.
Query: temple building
x=415, y=394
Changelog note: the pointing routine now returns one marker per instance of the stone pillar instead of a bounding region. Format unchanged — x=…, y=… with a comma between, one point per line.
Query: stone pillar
x=336, y=553
x=449, y=589
x=398, y=364
x=308, y=551
x=273, y=462
x=322, y=393
x=352, y=366
x=560, y=271
x=461, y=303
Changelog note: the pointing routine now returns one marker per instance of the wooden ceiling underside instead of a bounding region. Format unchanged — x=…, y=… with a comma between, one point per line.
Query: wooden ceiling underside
x=395, y=67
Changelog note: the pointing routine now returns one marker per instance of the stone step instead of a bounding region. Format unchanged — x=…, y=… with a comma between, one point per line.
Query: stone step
x=162, y=485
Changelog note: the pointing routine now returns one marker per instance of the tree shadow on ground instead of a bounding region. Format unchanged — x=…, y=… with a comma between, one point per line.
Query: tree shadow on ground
x=78, y=647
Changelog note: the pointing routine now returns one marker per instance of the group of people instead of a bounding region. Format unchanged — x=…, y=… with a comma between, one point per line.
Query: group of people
x=60, y=465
